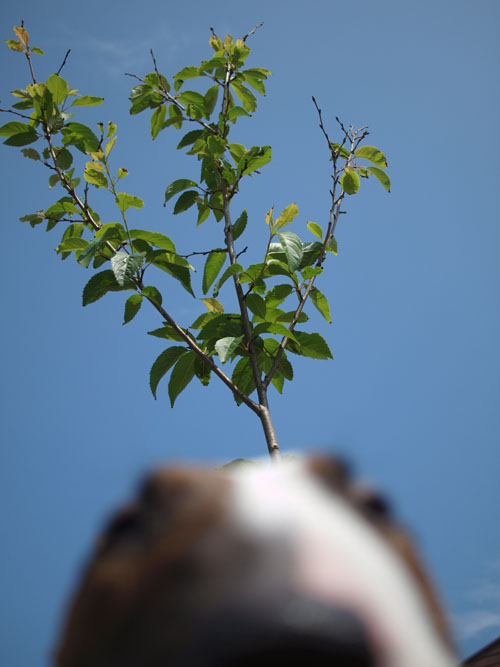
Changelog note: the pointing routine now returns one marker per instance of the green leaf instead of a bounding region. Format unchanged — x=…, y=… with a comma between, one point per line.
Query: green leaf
x=246, y=97
x=125, y=201
x=176, y=270
x=154, y=238
x=143, y=96
x=163, y=363
x=373, y=154
x=332, y=246
x=152, y=293
x=254, y=81
x=187, y=73
x=19, y=134
x=14, y=44
x=310, y=345
x=100, y=284
x=231, y=270
x=292, y=247
x=226, y=346
x=38, y=50
x=58, y=87
x=235, y=112
x=257, y=305
x=319, y=300
x=80, y=136
x=124, y=266
x=157, y=120
x=256, y=157
x=14, y=127
x=277, y=295
x=213, y=305
x=237, y=151
x=167, y=332
x=315, y=229
x=111, y=230
x=202, y=371
x=132, y=307
x=243, y=377
x=64, y=159
x=211, y=100
x=31, y=153
x=87, y=254
x=213, y=265
x=87, y=101
x=192, y=97
x=95, y=176
x=70, y=244
x=239, y=225
x=274, y=328
x=286, y=216
x=341, y=150
x=379, y=175
x=178, y=186
x=187, y=140
x=185, y=201
x=203, y=213
x=349, y=182
x=182, y=374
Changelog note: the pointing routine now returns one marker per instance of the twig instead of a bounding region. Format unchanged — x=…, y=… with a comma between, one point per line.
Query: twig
x=252, y=31
x=204, y=252
x=64, y=61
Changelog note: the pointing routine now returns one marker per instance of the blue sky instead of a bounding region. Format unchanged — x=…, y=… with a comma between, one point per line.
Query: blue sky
x=412, y=395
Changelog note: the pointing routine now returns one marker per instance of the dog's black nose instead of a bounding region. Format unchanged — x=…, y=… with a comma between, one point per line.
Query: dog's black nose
x=292, y=631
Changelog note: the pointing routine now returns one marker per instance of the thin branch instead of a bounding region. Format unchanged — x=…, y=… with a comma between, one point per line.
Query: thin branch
x=204, y=252
x=252, y=31
x=64, y=61
x=15, y=113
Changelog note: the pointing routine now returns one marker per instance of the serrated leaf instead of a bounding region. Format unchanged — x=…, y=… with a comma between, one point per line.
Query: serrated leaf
x=124, y=266
x=185, y=201
x=152, y=293
x=231, y=270
x=226, y=346
x=213, y=305
x=154, y=238
x=87, y=101
x=315, y=229
x=310, y=345
x=162, y=364
x=286, y=216
x=292, y=247
x=125, y=201
x=132, y=307
x=349, y=182
x=239, y=225
x=320, y=301
x=372, y=154
x=257, y=305
x=100, y=284
x=181, y=376
x=214, y=263
x=178, y=186
x=277, y=295
x=380, y=175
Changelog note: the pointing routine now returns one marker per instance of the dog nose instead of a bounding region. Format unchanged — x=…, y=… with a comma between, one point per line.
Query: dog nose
x=290, y=630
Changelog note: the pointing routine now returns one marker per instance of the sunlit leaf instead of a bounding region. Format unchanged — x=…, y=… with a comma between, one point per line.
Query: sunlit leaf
x=292, y=247
x=87, y=101
x=125, y=201
x=286, y=216
x=124, y=265
x=349, y=182
x=213, y=305
x=380, y=175
x=320, y=301
x=372, y=154
x=226, y=346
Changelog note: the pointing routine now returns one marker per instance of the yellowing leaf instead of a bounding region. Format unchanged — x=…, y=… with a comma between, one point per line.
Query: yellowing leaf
x=269, y=216
x=287, y=215
x=14, y=45
x=22, y=34
x=213, y=305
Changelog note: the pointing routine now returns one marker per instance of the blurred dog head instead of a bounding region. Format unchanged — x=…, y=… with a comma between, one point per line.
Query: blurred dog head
x=292, y=562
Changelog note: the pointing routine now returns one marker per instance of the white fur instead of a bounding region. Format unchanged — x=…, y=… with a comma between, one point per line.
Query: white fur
x=338, y=557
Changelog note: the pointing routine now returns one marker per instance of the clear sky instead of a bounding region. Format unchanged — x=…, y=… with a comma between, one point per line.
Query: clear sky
x=412, y=397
